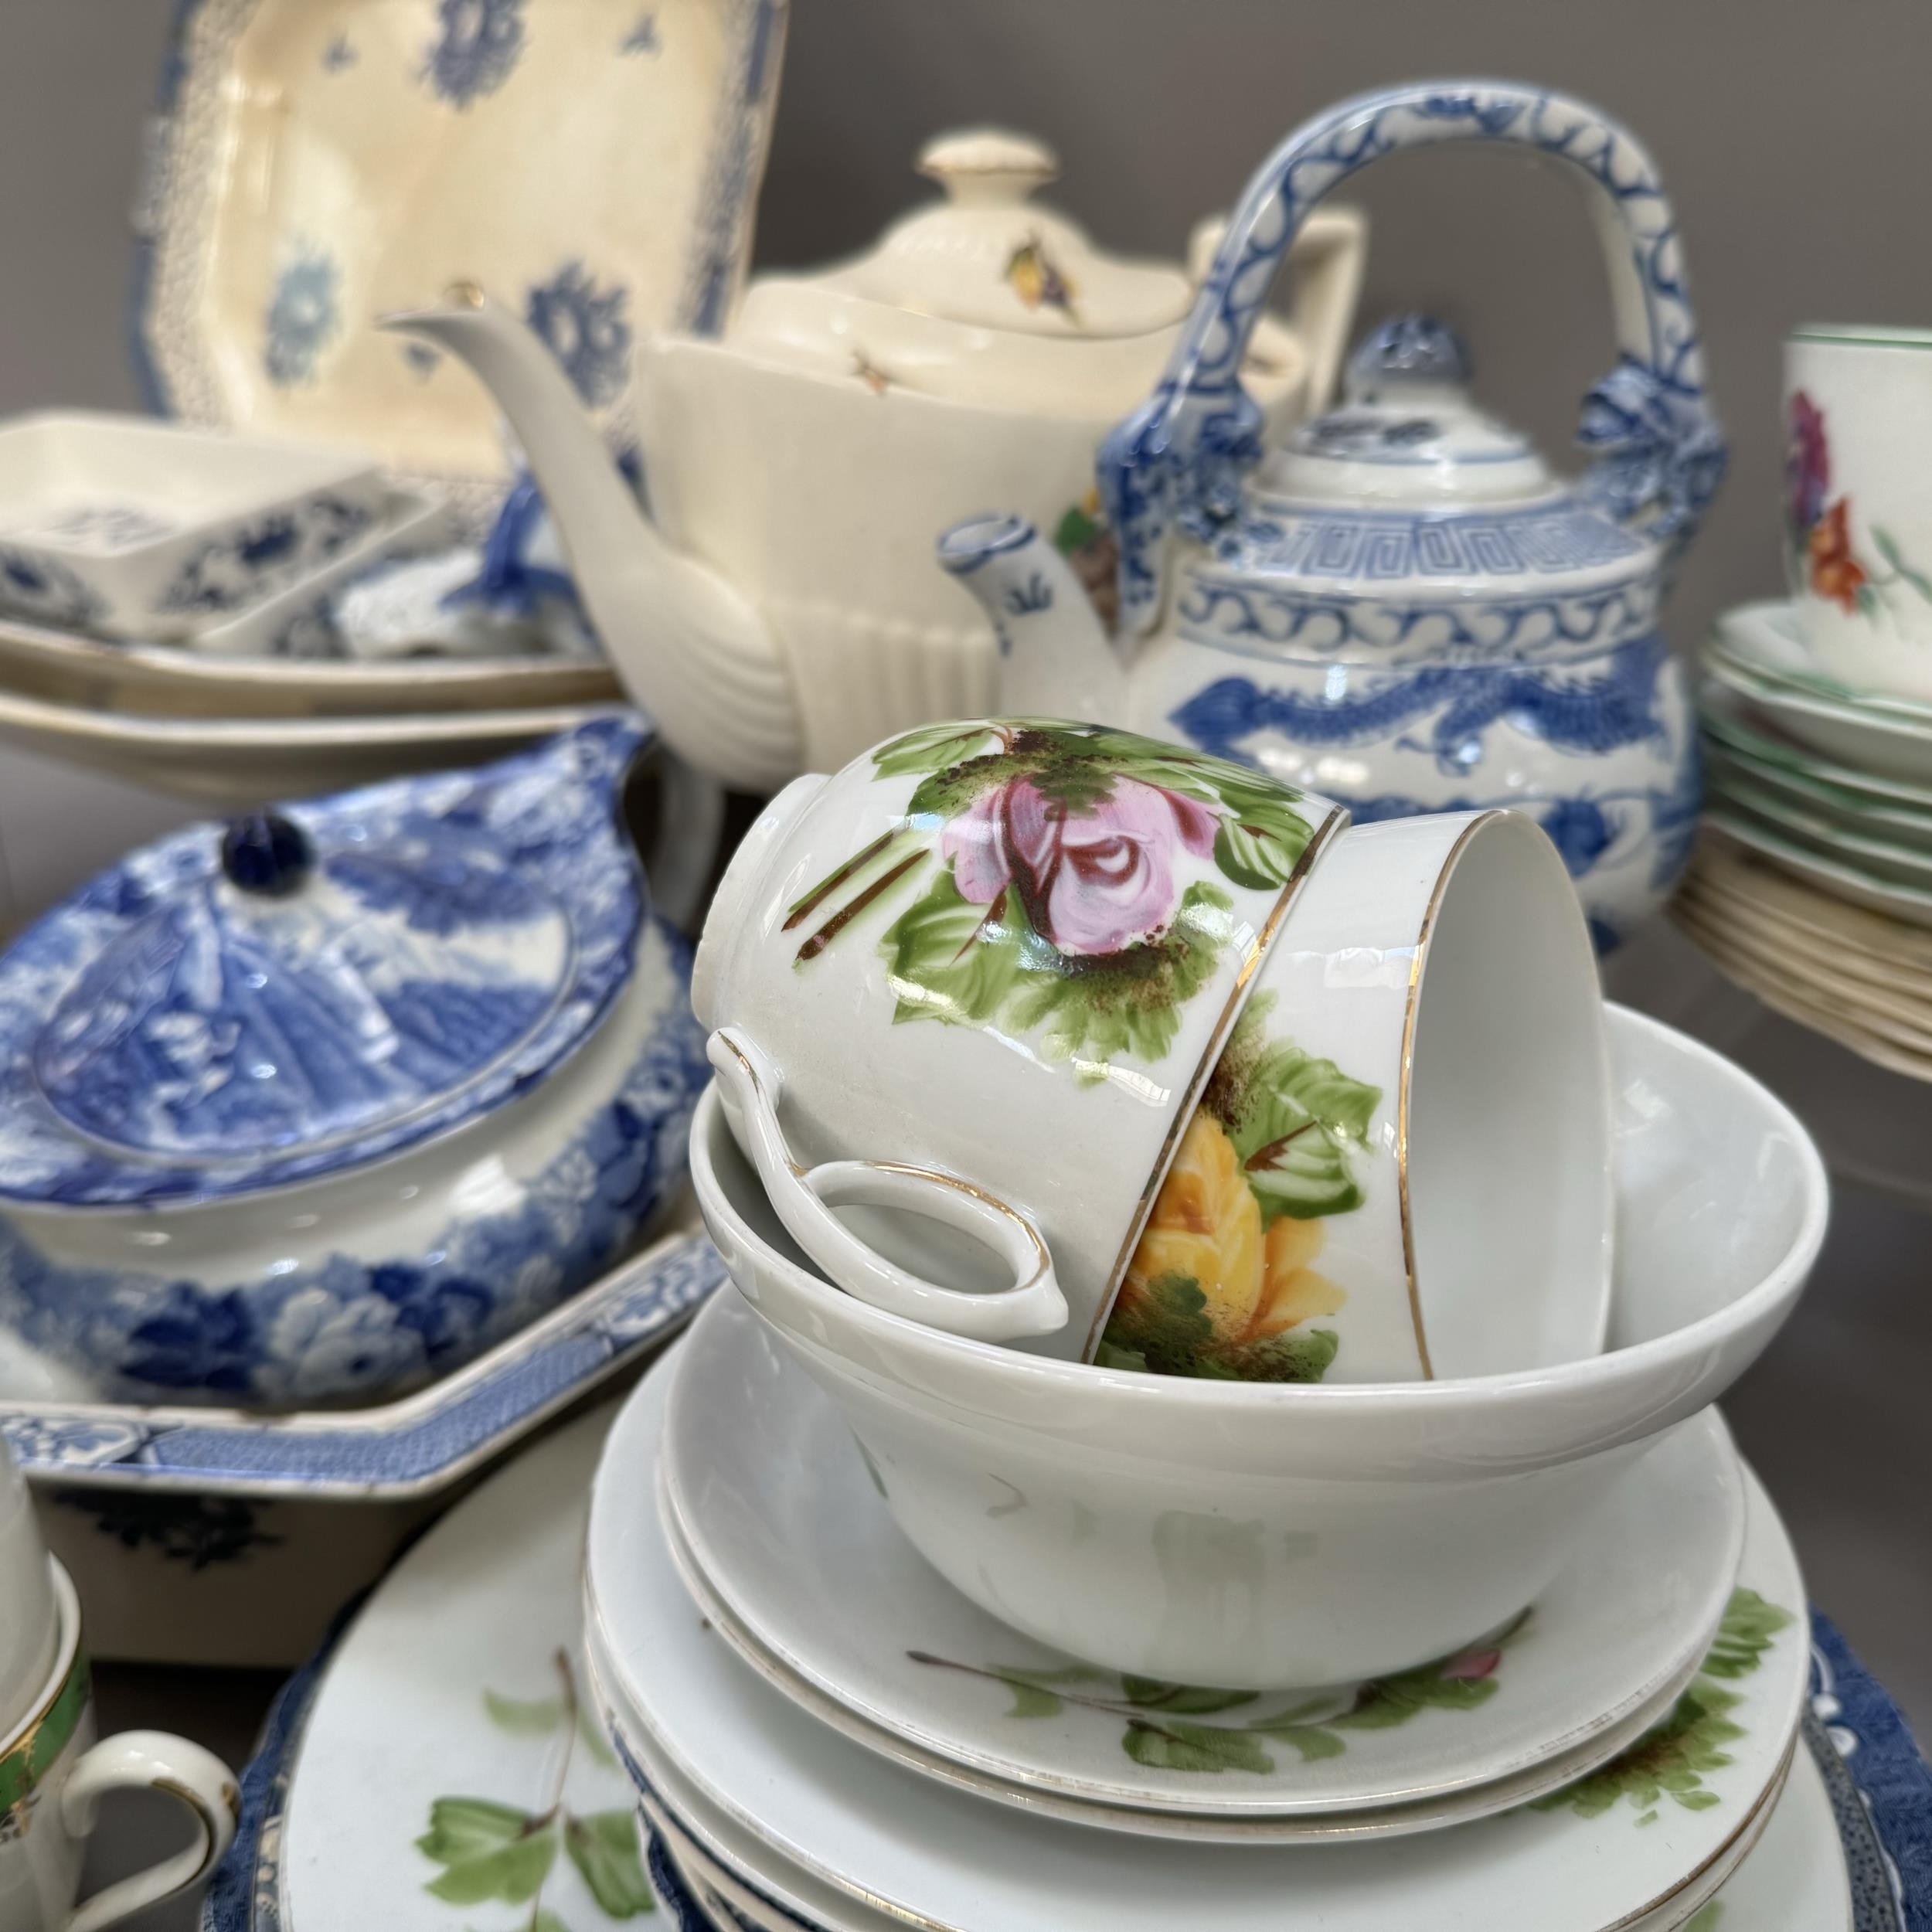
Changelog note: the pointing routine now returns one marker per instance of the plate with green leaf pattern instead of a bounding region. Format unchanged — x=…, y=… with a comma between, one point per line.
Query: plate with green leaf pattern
x=777, y=1510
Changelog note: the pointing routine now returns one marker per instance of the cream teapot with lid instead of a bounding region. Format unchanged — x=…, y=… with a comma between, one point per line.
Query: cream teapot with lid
x=777, y=609
x=1400, y=606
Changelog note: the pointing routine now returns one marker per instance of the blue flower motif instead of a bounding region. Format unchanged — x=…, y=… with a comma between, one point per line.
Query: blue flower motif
x=339, y=55
x=643, y=37
x=587, y=329
x=479, y=46
x=302, y=318
x=194, y=1340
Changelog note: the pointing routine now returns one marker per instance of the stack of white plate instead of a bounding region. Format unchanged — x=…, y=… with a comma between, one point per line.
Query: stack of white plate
x=1818, y=890
x=824, y=1733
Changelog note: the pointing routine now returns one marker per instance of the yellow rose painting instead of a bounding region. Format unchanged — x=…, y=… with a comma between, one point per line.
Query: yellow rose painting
x=1223, y=1281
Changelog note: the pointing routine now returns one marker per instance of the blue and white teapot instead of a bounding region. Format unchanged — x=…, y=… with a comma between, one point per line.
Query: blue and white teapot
x=1401, y=607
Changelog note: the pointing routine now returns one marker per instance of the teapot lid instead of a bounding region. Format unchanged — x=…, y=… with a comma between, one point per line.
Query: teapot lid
x=987, y=257
x=1407, y=433
x=316, y=986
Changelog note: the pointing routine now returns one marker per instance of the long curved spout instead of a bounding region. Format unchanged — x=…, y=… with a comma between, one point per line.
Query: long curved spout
x=1056, y=661
x=693, y=653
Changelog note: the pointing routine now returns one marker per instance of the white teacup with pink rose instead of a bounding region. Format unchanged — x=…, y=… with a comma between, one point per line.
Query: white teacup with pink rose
x=965, y=991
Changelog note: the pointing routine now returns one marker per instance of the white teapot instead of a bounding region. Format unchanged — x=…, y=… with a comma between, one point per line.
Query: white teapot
x=1401, y=607
x=777, y=609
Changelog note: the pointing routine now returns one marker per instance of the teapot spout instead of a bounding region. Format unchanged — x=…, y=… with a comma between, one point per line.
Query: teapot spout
x=1056, y=660
x=692, y=651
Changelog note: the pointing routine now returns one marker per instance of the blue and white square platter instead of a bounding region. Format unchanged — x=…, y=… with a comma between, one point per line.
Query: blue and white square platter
x=214, y=1536
x=314, y=163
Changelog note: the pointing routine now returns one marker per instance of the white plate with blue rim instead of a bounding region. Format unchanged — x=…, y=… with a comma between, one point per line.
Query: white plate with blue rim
x=436, y=1768
x=314, y=163
x=775, y=1523
x=1644, y=1840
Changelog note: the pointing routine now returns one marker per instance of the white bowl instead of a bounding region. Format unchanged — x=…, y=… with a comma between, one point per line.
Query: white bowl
x=1250, y=1534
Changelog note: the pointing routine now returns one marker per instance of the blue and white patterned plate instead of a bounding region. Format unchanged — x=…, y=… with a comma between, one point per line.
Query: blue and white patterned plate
x=315, y=163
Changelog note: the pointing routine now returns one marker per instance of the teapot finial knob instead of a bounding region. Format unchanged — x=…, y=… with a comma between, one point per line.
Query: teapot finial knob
x=265, y=854
x=1409, y=348
x=987, y=164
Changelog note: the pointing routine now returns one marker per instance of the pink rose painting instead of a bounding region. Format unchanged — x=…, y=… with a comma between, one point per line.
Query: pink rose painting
x=1091, y=879
x=1074, y=881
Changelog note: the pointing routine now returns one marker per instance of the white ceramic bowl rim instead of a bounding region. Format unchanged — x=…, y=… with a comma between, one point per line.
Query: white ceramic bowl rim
x=1160, y=1394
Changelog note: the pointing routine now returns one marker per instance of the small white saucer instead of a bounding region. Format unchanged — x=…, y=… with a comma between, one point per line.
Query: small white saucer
x=843, y=1839
x=1756, y=654
x=1330, y=1828
x=788, y=1535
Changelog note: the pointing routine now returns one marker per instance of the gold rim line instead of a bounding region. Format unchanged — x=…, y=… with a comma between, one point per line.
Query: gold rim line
x=1759, y=1815
x=230, y=1796
x=1405, y=1078
x=1210, y=1058
x=1042, y=1258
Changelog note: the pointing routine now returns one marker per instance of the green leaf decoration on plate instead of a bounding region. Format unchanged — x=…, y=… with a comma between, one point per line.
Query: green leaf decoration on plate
x=604, y=1848
x=489, y=1850
x=1049, y=868
x=536, y=1717
x=1163, y=1726
x=1669, y=1763
x=1749, y=1628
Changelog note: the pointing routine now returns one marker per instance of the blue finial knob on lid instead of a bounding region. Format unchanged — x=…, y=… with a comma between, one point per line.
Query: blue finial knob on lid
x=267, y=854
x=1416, y=348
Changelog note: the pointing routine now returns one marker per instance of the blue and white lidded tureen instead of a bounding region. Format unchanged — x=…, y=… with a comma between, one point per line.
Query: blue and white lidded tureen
x=323, y=1105
x=1401, y=607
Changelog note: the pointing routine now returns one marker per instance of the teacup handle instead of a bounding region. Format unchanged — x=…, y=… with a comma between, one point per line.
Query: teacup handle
x=1178, y=459
x=151, y=1761
x=803, y=1200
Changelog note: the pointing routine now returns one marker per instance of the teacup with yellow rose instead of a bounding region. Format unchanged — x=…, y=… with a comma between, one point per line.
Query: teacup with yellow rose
x=1049, y=1034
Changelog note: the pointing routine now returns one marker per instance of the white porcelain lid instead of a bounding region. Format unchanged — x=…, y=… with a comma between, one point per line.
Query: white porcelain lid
x=986, y=257
x=312, y=988
x=1407, y=433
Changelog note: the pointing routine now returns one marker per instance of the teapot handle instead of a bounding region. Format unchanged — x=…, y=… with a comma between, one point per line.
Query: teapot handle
x=1658, y=452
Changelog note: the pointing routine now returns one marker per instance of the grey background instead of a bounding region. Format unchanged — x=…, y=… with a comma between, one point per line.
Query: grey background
x=1792, y=138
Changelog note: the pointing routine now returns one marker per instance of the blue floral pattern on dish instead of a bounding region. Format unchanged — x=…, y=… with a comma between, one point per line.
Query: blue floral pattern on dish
x=304, y=314
x=587, y=330
x=349, y=1327
x=476, y=50
x=38, y=587
x=643, y=36
x=432, y=1437
x=126, y=1099
x=240, y=566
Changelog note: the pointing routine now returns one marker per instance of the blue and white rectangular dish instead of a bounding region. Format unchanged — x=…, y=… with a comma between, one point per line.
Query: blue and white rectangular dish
x=125, y=528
